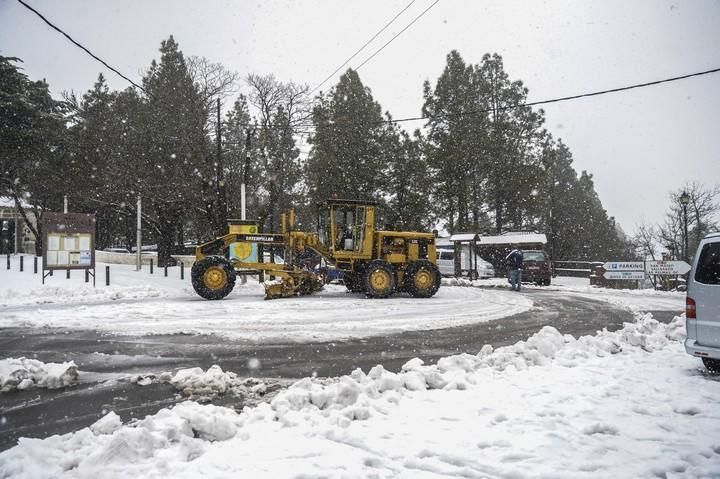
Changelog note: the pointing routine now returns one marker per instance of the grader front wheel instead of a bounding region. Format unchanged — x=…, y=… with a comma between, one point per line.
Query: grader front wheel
x=213, y=277
x=379, y=280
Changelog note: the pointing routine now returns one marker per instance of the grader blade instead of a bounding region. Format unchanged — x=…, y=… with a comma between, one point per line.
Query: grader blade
x=299, y=285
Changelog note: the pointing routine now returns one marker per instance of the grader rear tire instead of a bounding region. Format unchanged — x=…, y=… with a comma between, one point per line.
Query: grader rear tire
x=213, y=277
x=422, y=279
x=379, y=279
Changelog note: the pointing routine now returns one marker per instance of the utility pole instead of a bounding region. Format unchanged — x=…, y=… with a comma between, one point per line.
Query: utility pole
x=220, y=177
x=246, y=174
x=684, y=200
x=65, y=204
x=138, y=253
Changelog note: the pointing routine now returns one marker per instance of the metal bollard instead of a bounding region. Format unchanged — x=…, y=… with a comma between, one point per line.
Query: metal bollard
x=107, y=275
x=151, y=266
x=8, y=261
x=166, y=270
x=87, y=275
x=67, y=274
x=182, y=270
x=21, y=263
x=35, y=265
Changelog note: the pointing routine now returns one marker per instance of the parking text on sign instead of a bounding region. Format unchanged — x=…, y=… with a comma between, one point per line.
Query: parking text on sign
x=624, y=266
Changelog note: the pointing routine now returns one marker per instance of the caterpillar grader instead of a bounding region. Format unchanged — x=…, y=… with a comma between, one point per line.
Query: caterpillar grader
x=377, y=263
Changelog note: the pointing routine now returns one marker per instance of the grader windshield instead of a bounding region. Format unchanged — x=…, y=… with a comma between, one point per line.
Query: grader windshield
x=345, y=225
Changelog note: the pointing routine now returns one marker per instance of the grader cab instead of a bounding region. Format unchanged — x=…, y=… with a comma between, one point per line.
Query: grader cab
x=378, y=263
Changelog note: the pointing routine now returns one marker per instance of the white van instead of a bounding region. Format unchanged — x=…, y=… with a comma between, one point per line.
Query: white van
x=702, y=306
x=446, y=264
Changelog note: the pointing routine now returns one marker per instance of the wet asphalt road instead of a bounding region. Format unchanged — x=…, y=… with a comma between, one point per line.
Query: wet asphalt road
x=105, y=361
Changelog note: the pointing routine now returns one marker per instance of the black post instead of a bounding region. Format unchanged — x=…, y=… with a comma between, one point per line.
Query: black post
x=8, y=261
x=87, y=276
x=182, y=270
x=166, y=270
x=21, y=263
x=67, y=274
x=151, y=266
x=35, y=265
x=685, y=246
x=107, y=275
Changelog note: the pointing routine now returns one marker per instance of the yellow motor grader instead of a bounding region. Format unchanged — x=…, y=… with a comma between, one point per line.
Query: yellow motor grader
x=378, y=263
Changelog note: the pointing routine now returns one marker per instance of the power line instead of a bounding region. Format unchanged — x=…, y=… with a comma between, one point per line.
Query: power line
x=362, y=47
x=398, y=34
x=58, y=29
x=541, y=102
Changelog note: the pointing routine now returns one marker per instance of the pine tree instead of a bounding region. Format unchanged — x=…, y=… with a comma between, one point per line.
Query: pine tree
x=407, y=183
x=346, y=156
x=179, y=167
x=454, y=151
x=32, y=149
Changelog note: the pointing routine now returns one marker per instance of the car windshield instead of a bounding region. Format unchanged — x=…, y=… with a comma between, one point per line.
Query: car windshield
x=533, y=256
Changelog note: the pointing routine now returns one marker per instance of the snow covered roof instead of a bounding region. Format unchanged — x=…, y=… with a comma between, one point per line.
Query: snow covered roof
x=443, y=241
x=520, y=237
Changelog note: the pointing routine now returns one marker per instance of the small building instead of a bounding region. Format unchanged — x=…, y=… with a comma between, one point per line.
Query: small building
x=15, y=235
x=495, y=248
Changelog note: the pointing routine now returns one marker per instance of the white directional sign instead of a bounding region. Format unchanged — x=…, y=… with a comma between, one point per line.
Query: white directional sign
x=624, y=266
x=624, y=274
x=666, y=267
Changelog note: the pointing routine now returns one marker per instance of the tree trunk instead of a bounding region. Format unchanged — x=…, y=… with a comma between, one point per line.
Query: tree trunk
x=498, y=215
x=167, y=225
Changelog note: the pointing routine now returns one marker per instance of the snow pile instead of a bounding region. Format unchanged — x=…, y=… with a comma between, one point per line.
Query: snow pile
x=195, y=382
x=203, y=386
x=358, y=395
x=109, y=449
x=22, y=373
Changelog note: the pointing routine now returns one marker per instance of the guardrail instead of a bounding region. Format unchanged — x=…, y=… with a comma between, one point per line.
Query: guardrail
x=130, y=258
x=577, y=269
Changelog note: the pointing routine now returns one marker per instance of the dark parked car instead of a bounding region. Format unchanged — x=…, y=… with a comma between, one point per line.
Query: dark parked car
x=537, y=267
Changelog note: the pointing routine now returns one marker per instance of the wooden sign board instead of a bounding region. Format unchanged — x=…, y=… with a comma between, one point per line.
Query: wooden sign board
x=68, y=241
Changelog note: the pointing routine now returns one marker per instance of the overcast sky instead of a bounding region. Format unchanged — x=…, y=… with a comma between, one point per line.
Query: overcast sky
x=639, y=144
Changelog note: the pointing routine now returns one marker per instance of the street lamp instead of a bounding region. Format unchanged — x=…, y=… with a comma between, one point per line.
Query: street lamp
x=684, y=200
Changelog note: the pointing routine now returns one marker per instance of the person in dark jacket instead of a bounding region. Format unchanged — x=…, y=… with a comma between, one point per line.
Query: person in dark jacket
x=514, y=262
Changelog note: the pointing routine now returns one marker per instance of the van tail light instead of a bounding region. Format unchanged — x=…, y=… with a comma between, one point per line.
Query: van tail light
x=690, y=308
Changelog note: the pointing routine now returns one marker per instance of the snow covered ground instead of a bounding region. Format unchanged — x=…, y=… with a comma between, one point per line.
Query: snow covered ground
x=140, y=303
x=633, y=299
x=625, y=404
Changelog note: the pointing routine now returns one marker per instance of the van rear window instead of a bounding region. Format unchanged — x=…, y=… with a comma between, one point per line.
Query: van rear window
x=708, y=265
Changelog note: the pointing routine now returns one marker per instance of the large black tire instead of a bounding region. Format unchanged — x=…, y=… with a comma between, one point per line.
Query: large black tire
x=422, y=279
x=213, y=277
x=379, y=279
x=712, y=365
